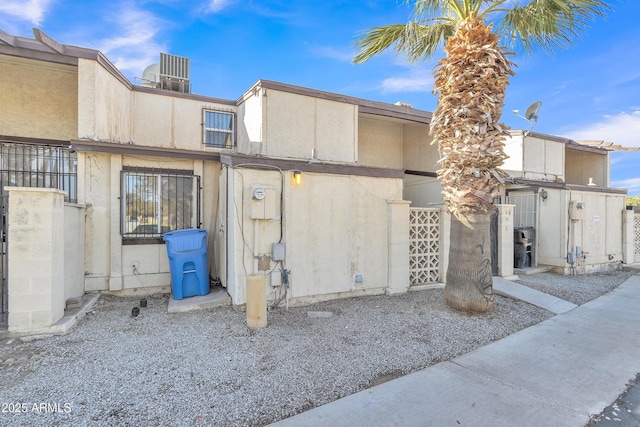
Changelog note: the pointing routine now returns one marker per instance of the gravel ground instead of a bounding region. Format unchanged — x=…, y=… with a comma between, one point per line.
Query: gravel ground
x=207, y=368
x=575, y=289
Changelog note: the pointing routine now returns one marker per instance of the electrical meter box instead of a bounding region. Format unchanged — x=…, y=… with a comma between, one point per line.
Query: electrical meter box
x=576, y=209
x=263, y=203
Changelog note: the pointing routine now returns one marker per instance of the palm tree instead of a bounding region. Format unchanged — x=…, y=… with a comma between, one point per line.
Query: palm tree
x=470, y=82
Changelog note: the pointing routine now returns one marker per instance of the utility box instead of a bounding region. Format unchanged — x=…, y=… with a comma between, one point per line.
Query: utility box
x=277, y=252
x=523, y=240
x=187, y=251
x=576, y=209
x=263, y=203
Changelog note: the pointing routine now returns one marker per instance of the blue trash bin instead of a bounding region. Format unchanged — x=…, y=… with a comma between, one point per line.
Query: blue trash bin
x=187, y=251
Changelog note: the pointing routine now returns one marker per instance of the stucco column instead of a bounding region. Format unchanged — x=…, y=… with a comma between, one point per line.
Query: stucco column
x=505, y=240
x=627, y=237
x=36, y=257
x=398, y=229
x=115, y=255
x=445, y=242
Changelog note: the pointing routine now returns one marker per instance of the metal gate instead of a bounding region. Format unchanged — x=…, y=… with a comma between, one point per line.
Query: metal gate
x=31, y=165
x=636, y=235
x=4, y=298
x=424, y=246
x=493, y=233
x=525, y=213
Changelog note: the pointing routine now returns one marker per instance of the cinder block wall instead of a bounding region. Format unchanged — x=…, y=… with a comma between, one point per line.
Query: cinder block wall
x=36, y=258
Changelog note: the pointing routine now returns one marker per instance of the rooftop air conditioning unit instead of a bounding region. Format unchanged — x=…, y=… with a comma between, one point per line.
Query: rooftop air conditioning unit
x=174, y=73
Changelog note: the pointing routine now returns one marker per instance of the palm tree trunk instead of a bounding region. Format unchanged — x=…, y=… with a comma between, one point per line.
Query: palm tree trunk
x=469, y=284
x=471, y=81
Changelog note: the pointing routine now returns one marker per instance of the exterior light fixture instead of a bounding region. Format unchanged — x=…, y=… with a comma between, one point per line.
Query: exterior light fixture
x=543, y=194
x=297, y=177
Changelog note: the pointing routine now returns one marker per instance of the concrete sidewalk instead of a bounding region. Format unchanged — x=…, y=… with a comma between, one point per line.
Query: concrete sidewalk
x=513, y=290
x=555, y=373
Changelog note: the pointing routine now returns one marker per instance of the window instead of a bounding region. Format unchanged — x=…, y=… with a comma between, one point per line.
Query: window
x=156, y=201
x=45, y=166
x=218, y=129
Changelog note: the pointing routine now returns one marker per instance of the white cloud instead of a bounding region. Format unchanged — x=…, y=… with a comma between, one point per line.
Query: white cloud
x=216, y=6
x=134, y=44
x=561, y=87
x=623, y=129
x=631, y=184
x=30, y=10
x=416, y=81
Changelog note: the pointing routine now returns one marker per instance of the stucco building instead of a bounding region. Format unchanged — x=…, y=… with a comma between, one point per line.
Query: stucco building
x=321, y=195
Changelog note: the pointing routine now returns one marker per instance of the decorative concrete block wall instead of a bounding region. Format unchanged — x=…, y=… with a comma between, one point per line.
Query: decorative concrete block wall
x=628, y=238
x=36, y=257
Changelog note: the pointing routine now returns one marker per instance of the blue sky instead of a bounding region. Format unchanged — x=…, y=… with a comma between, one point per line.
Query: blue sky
x=591, y=91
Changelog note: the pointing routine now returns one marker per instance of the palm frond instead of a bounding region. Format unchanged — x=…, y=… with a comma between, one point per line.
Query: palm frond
x=549, y=24
x=460, y=9
x=417, y=41
x=433, y=7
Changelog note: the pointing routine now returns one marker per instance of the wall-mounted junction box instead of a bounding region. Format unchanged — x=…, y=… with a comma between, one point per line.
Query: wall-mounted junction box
x=277, y=252
x=276, y=278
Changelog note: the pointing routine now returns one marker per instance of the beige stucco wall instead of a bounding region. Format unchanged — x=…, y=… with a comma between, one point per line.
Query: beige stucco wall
x=380, y=142
x=250, y=238
x=419, y=154
x=582, y=165
x=294, y=126
x=36, y=262
x=596, y=229
x=38, y=99
x=162, y=121
x=110, y=111
x=534, y=158
x=514, y=149
x=251, y=120
x=334, y=226
x=391, y=143
x=110, y=265
x=96, y=194
x=74, y=246
x=154, y=120
x=551, y=238
x=422, y=191
x=104, y=104
x=395, y=144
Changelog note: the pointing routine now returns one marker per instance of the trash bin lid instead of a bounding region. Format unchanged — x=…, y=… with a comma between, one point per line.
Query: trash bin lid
x=523, y=233
x=185, y=240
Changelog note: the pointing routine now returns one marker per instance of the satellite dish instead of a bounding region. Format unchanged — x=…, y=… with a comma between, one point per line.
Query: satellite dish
x=532, y=111
x=530, y=115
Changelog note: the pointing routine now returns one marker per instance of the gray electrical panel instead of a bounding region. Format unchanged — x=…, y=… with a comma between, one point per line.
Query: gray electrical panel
x=277, y=252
